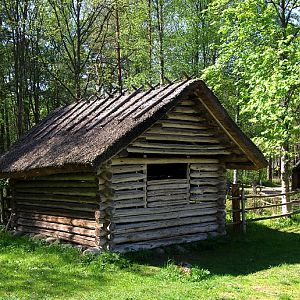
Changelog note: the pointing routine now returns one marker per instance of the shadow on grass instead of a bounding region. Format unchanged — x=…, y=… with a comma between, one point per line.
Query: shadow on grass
x=234, y=254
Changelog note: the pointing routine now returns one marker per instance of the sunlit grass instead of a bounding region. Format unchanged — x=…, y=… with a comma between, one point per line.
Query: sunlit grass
x=263, y=264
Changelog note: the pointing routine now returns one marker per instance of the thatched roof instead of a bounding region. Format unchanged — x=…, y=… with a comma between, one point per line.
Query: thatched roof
x=84, y=134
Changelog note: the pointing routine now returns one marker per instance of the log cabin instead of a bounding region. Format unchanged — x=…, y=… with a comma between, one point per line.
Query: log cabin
x=131, y=171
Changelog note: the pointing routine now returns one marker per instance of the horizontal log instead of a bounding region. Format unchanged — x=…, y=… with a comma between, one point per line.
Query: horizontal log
x=64, y=198
x=177, y=151
x=205, y=197
x=65, y=177
x=203, y=189
x=185, y=110
x=144, y=226
x=117, y=169
x=182, y=124
x=205, y=167
x=55, y=226
x=179, y=132
x=166, y=192
x=75, y=238
x=156, y=187
x=61, y=205
x=187, y=102
x=181, y=138
x=174, y=160
x=60, y=191
x=145, y=144
x=197, y=174
x=167, y=181
x=53, y=184
x=127, y=177
x=164, y=242
x=154, y=211
x=206, y=181
x=60, y=220
x=182, y=197
x=165, y=203
x=57, y=212
x=165, y=233
x=120, y=195
x=166, y=213
x=131, y=203
x=184, y=117
x=128, y=186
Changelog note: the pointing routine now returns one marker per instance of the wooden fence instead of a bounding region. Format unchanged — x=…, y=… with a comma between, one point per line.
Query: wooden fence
x=242, y=205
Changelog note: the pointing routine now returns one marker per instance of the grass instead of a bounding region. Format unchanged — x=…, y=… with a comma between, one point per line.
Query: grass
x=263, y=264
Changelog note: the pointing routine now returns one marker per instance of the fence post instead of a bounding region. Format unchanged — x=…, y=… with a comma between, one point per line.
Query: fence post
x=236, y=214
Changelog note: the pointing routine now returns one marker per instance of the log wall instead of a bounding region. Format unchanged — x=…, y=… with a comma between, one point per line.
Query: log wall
x=169, y=211
x=183, y=131
x=61, y=205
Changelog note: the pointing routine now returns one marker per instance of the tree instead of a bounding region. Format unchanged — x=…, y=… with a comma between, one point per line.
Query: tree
x=260, y=50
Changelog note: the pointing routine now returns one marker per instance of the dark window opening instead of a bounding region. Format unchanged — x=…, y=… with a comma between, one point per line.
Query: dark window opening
x=166, y=171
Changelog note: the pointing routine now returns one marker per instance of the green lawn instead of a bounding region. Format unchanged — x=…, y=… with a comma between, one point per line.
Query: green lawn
x=263, y=264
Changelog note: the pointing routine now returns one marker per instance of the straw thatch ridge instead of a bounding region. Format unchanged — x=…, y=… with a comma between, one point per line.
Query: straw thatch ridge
x=84, y=134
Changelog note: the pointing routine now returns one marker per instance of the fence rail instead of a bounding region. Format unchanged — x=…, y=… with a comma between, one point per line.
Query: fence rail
x=239, y=210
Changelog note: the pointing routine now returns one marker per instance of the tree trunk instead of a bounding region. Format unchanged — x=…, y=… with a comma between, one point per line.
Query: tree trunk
x=118, y=49
x=270, y=170
x=285, y=185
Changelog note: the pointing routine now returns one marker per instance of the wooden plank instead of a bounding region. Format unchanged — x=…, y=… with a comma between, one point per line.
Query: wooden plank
x=204, y=189
x=142, y=144
x=167, y=181
x=205, y=197
x=79, y=239
x=127, y=177
x=165, y=160
x=63, y=198
x=206, y=181
x=128, y=186
x=116, y=169
x=65, y=177
x=167, y=203
x=197, y=174
x=54, y=184
x=182, y=138
x=120, y=195
x=185, y=110
x=171, y=198
x=60, y=220
x=156, y=187
x=164, y=233
x=57, y=212
x=169, y=192
x=167, y=213
x=55, y=226
x=143, y=226
x=183, y=124
x=130, y=203
x=61, y=205
x=177, y=151
x=163, y=242
x=179, y=131
x=184, y=117
x=60, y=191
x=205, y=167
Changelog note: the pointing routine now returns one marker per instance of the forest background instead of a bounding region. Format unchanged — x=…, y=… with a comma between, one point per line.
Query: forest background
x=54, y=52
